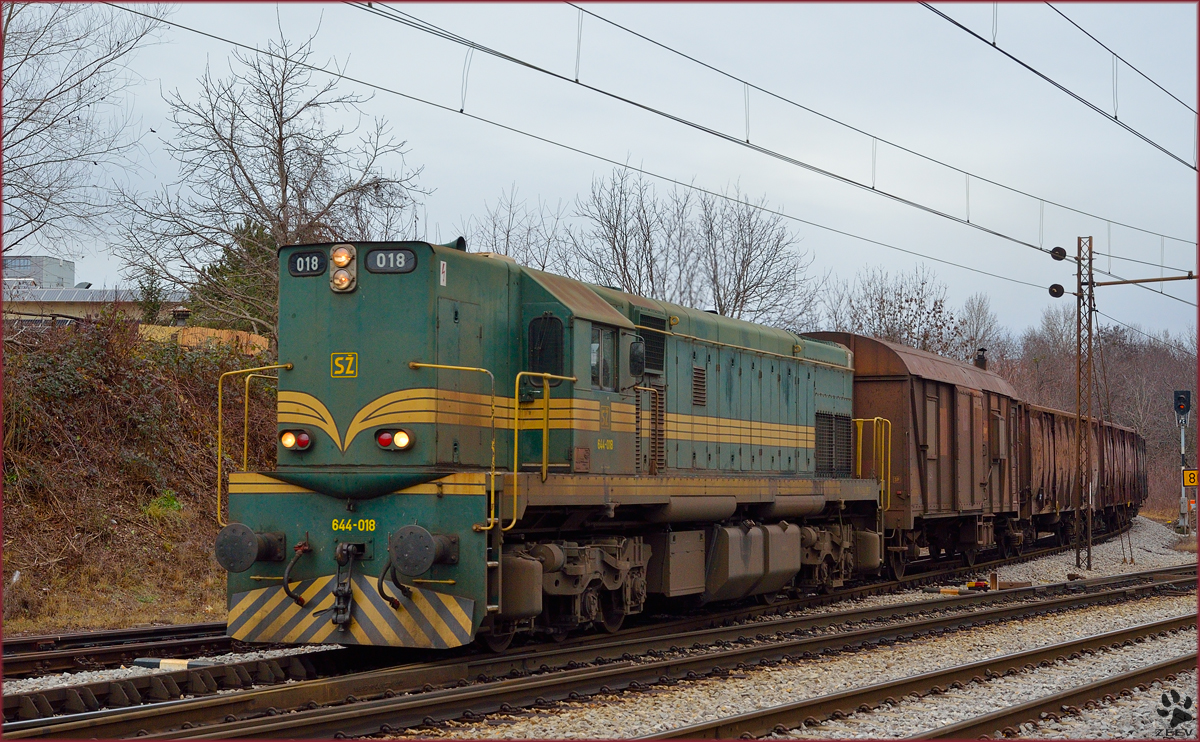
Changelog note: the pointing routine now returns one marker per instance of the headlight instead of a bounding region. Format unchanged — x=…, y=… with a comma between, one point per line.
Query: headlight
x=393, y=440
x=345, y=277
x=295, y=440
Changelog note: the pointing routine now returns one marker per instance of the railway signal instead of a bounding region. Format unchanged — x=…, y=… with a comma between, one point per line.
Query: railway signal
x=1183, y=407
x=1085, y=296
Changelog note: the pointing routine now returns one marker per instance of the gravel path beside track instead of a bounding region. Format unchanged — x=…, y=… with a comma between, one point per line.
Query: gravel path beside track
x=1152, y=548
x=633, y=714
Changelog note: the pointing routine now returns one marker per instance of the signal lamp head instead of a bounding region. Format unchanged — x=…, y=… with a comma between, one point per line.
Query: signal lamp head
x=295, y=440
x=1056, y=290
x=1058, y=253
x=341, y=256
x=393, y=440
x=341, y=279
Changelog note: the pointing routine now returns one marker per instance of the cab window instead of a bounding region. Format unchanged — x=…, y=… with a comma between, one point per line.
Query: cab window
x=604, y=343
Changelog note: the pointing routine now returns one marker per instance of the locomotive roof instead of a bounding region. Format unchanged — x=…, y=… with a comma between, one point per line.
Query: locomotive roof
x=874, y=357
x=581, y=300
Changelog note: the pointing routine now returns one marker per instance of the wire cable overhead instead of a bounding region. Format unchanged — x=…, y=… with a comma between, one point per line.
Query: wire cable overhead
x=875, y=138
x=601, y=158
x=1068, y=91
x=411, y=21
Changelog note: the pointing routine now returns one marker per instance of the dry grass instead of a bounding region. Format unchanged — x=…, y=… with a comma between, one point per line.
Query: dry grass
x=1187, y=544
x=109, y=477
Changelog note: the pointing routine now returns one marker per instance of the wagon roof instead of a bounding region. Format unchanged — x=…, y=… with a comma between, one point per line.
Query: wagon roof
x=882, y=358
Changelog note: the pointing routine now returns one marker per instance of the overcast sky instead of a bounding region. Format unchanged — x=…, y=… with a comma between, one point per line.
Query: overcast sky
x=896, y=71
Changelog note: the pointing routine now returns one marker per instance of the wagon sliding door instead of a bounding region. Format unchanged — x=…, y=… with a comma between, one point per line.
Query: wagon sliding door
x=969, y=449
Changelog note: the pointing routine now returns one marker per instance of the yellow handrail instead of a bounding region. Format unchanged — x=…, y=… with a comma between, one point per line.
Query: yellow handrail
x=246, y=418
x=492, y=520
x=221, y=424
x=881, y=429
x=545, y=430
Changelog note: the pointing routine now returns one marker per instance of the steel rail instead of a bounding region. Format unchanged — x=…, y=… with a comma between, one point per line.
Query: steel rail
x=777, y=719
x=1005, y=721
x=39, y=655
x=93, y=696
x=370, y=716
x=71, y=699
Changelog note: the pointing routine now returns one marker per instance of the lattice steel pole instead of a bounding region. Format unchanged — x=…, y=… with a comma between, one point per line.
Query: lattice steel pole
x=1084, y=305
x=1089, y=367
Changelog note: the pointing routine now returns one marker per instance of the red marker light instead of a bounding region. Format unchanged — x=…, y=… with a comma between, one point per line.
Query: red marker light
x=302, y=440
x=384, y=438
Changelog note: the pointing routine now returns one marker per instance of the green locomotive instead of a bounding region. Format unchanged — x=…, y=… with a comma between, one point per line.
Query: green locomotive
x=469, y=448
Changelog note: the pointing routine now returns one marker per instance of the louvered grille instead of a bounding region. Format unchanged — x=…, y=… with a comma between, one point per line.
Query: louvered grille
x=656, y=343
x=699, y=386
x=834, y=441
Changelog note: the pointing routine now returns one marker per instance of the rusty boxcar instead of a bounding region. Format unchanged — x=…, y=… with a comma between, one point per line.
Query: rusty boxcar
x=974, y=466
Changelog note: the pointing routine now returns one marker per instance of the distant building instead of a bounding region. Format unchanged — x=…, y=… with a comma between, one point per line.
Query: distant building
x=39, y=289
x=43, y=271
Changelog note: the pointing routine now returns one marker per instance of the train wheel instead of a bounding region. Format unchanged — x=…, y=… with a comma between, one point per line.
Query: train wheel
x=970, y=555
x=767, y=598
x=613, y=616
x=558, y=637
x=497, y=642
x=896, y=563
x=1005, y=548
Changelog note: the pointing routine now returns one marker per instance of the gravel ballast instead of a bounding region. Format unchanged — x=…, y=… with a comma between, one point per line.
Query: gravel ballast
x=1152, y=548
x=633, y=714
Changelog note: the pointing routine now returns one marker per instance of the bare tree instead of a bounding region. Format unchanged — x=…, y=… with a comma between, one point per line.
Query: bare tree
x=536, y=237
x=259, y=168
x=750, y=265
x=909, y=308
x=621, y=241
x=64, y=122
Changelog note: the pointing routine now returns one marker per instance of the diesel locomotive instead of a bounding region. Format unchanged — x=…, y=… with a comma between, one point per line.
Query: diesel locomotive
x=469, y=449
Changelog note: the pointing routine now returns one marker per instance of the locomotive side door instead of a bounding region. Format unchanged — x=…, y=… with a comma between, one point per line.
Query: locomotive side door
x=460, y=343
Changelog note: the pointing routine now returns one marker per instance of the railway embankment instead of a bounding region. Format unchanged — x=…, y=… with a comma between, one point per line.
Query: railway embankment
x=110, y=474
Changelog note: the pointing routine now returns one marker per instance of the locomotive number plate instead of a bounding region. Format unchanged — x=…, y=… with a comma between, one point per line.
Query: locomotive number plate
x=306, y=264
x=391, y=261
x=343, y=365
x=347, y=524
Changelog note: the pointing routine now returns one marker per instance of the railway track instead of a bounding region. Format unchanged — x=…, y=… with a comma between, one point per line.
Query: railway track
x=51, y=653
x=780, y=719
x=364, y=703
x=33, y=656
x=160, y=687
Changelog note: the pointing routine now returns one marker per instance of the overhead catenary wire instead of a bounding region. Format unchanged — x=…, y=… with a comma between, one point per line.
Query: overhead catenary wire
x=601, y=158
x=691, y=186
x=1068, y=91
x=411, y=21
x=1118, y=56
x=927, y=158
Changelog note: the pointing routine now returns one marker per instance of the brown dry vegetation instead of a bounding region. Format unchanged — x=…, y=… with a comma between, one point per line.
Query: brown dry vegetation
x=109, y=476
